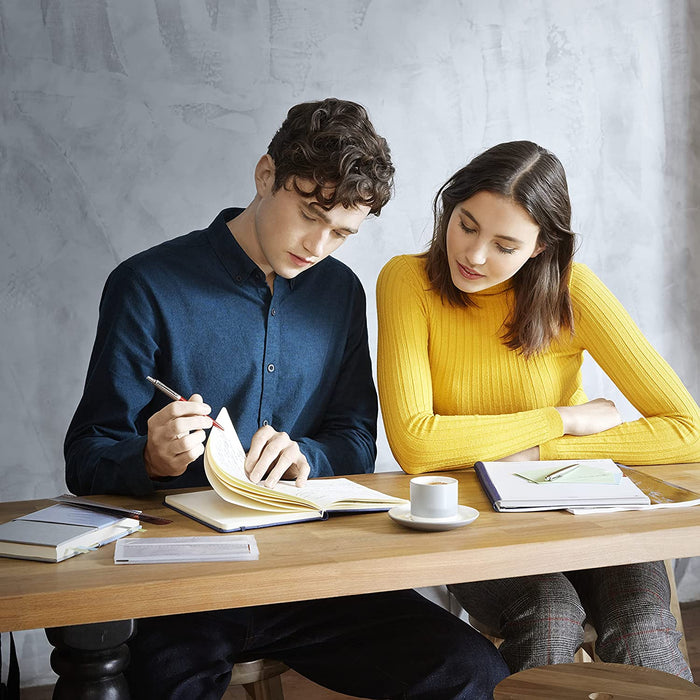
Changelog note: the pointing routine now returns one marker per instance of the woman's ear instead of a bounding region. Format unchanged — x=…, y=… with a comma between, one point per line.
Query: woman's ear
x=538, y=249
x=264, y=175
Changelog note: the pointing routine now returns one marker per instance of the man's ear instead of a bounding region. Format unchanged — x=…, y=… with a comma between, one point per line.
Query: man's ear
x=264, y=175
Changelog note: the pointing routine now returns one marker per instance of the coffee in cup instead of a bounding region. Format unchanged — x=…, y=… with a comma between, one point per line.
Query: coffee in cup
x=433, y=497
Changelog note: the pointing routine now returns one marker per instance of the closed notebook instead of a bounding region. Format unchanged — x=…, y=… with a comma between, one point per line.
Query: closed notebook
x=61, y=531
x=509, y=488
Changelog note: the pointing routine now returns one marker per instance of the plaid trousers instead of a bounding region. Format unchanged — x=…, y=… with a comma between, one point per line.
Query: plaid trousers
x=541, y=618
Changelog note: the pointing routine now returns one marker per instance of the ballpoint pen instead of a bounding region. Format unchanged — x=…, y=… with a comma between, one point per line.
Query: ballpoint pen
x=173, y=395
x=560, y=472
x=112, y=510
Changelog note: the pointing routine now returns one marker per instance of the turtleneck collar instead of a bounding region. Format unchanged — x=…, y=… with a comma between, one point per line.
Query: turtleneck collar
x=493, y=291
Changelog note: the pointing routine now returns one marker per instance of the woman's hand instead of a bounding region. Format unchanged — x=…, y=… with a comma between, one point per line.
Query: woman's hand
x=531, y=454
x=589, y=418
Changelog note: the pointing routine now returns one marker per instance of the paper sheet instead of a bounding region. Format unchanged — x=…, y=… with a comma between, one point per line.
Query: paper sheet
x=582, y=474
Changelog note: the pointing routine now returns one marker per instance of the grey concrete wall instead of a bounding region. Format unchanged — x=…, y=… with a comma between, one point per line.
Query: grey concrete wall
x=127, y=122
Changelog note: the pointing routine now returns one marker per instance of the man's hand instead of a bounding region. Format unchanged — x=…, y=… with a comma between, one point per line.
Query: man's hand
x=273, y=456
x=176, y=437
x=590, y=418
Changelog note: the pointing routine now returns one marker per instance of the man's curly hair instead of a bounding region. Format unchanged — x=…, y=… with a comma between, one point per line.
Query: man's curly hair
x=333, y=144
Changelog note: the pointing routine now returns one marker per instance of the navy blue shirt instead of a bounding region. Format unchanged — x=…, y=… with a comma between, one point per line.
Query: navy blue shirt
x=196, y=313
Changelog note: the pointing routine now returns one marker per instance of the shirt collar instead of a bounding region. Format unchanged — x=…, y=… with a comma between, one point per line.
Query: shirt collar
x=232, y=256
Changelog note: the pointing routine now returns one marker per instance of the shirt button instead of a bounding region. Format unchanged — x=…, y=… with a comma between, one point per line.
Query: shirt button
x=273, y=312
x=270, y=367
x=265, y=422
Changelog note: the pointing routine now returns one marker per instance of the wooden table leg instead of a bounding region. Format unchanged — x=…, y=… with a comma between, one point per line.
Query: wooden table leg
x=90, y=660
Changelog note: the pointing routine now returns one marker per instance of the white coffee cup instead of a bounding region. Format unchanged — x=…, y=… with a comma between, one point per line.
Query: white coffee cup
x=433, y=497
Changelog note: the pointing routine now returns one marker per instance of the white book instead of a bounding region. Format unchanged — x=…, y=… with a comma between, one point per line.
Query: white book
x=509, y=491
x=61, y=531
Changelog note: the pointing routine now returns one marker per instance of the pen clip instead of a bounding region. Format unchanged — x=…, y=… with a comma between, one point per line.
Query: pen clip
x=165, y=389
x=557, y=473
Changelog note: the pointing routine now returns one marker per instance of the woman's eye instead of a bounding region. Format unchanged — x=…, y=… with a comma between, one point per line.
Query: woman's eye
x=466, y=228
x=507, y=251
x=304, y=215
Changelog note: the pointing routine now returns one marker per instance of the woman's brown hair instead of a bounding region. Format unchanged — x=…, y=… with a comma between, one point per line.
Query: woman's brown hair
x=534, y=179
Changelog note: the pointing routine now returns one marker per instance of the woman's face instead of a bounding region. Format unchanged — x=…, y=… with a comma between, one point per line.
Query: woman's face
x=489, y=238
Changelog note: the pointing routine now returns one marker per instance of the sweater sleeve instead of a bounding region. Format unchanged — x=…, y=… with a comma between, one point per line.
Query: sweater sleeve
x=669, y=430
x=420, y=439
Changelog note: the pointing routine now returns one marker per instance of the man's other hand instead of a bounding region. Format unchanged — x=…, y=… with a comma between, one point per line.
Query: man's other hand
x=274, y=456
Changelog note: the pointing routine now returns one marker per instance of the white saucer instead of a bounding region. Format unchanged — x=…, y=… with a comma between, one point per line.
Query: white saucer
x=402, y=515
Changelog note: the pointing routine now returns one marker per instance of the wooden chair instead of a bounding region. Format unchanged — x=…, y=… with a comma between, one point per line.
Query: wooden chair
x=587, y=651
x=261, y=678
x=597, y=681
x=676, y=609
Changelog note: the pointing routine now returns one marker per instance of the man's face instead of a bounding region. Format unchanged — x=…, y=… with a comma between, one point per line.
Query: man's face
x=292, y=231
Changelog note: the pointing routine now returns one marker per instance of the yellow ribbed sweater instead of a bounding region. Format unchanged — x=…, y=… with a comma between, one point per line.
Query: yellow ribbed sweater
x=451, y=393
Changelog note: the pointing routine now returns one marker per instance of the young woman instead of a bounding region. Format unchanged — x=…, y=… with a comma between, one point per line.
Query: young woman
x=481, y=341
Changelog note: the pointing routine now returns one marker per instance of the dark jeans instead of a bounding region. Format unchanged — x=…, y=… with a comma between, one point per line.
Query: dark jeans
x=383, y=645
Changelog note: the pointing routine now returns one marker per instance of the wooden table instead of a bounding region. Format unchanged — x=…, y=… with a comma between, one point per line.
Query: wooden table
x=341, y=556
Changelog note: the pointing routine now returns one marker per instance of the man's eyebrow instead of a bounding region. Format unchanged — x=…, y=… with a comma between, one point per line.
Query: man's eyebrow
x=503, y=236
x=317, y=210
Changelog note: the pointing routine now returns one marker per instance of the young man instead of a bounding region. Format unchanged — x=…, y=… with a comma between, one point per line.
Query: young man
x=254, y=314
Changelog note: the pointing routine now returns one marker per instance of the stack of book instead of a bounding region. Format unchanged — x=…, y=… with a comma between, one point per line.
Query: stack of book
x=583, y=486
x=61, y=531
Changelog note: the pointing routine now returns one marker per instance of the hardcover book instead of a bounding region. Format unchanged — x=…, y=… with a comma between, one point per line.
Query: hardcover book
x=236, y=503
x=523, y=486
x=61, y=531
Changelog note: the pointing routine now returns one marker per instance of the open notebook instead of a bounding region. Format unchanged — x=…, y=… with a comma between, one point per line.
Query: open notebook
x=236, y=503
